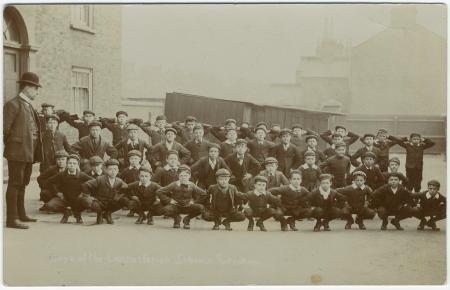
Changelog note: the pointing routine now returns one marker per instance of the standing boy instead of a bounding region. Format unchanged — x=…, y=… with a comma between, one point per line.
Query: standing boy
x=52, y=141
x=338, y=166
x=132, y=142
x=259, y=147
x=81, y=125
x=275, y=178
x=394, y=164
x=286, y=153
x=205, y=169
x=159, y=151
x=368, y=140
x=310, y=171
x=118, y=126
x=374, y=177
x=198, y=145
x=383, y=142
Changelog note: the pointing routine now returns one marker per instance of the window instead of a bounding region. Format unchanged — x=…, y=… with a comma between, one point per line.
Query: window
x=83, y=18
x=81, y=89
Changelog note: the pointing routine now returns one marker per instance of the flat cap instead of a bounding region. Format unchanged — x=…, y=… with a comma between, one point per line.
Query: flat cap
x=325, y=176
x=261, y=128
x=285, y=131
x=310, y=153
x=184, y=167
x=161, y=117
x=46, y=105
x=170, y=152
x=298, y=126
x=336, y=135
x=170, y=129
x=61, y=153
x=74, y=156
x=52, y=116
x=241, y=141
x=121, y=113
x=395, y=159
x=359, y=173
x=395, y=174
x=223, y=172
x=311, y=137
x=270, y=160
x=382, y=131
x=227, y=121
x=369, y=154
x=214, y=145
x=132, y=127
x=415, y=135
x=260, y=178
x=146, y=168
x=340, y=144
x=198, y=127
x=260, y=124
x=95, y=160
x=111, y=162
x=340, y=127
x=134, y=153
x=434, y=182
x=367, y=135
x=190, y=119
x=87, y=112
x=95, y=123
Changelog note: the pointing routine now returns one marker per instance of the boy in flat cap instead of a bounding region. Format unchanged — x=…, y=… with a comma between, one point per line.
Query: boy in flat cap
x=261, y=204
x=169, y=173
x=338, y=166
x=53, y=140
x=180, y=197
x=156, y=133
x=325, y=203
x=374, y=177
x=359, y=197
x=159, y=151
x=242, y=165
x=67, y=187
x=46, y=110
x=117, y=126
x=186, y=131
x=415, y=147
x=82, y=125
x=259, y=147
x=298, y=136
x=198, y=145
x=347, y=137
x=132, y=142
x=131, y=173
x=393, y=199
x=229, y=145
x=275, y=178
x=311, y=145
x=222, y=200
x=274, y=133
x=141, y=196
x=310, y=171
x=433, y=204
x=95, y=168
x=104, y=194
x=286, y=153
x=205, y=169
x=294, y=202
x=383, y=142
x=46, y=191
x=93, y=145
x=220, y=132
x=368, y=140
x=394, y=164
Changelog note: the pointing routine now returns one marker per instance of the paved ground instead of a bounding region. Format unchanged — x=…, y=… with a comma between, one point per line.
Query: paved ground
x=126, y=254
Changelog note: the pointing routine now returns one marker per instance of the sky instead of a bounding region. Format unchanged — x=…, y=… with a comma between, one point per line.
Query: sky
x=260, y=43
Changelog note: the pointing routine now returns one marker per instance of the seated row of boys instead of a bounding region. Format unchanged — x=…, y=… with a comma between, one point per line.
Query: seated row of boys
x=170, y=192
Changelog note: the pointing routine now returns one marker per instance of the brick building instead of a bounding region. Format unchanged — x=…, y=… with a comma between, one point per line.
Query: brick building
x=75, y=50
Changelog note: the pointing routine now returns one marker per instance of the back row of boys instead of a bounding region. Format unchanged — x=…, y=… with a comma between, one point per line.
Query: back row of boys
x=166, y=155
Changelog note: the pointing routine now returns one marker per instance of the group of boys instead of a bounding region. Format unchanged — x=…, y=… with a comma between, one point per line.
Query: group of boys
x=229, y=174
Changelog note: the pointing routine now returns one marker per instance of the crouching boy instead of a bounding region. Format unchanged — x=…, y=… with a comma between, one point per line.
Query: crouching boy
x=180, y=197
x=142, y=196
x=259, y=202
x=393, y=199
x=67, y=186
x=433, y=204
x=324, y=201
x=104, y=194
x=294, y=202
x=358, y=197
x=222, y=200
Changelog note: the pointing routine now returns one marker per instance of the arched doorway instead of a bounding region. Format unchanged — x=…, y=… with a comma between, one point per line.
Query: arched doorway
x=15, y=51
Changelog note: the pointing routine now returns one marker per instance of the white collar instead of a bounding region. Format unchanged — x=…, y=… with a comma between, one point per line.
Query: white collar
x=179, y=183
x=293, y=188
x=306, y=166
x=229, y=142
x=428, y=195
x=369, y=168
x=258, y=193
x=369, y=148
x=146, y=185
x=94, y=172
x=198, y=141
x=286, y=145
x=325, y=193
x=25, y=98
x=212, y=162
x=394, y=191
x=355, y=186
x=137, y=167
x=129, y=141
x=167, y=167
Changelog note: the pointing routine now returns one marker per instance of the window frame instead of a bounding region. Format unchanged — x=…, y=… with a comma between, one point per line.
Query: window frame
x=90, y=72
x=76, y=13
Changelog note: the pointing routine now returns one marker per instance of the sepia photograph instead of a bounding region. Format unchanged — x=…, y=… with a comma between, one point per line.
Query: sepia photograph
x=224, y=144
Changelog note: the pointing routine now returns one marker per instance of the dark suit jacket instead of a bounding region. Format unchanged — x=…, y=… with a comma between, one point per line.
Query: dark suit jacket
x=209, y=198
x=17, y=136
x=361, y=151
x=430, y=205
x=52, y=143
x=202, y=171
x=374, y=178
x=101, y=189
x=260, y=151
x=44, y=177
x=198, y=150
x=414, y=154
x=123, y=148
x=249, y=165
x=86, y=149
x=226, y=149
x=119, y=133
x=82, y=127
x=318, y=200
x=278, y=180
x=159, y=152
x=385, y=197
x=155, y=135
x=288, y=159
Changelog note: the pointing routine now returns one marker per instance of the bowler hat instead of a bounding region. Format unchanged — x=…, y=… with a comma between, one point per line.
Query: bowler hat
x=30, y=78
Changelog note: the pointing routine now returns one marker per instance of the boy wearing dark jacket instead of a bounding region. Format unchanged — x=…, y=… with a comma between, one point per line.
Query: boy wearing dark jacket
x=204, y=170
x=433, y=204
x=338, y=166
x=46, y=191
x=374, y=177
x=310, y=171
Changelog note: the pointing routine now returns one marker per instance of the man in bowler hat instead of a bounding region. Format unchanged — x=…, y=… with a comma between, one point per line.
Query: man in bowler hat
x=23, y=147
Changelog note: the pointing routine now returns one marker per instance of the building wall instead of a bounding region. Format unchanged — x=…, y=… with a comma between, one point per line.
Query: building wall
x=59, y=47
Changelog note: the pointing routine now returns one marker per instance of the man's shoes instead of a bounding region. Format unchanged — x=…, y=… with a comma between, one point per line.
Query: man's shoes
x=432, y=224
x=261, y=226
x=421, y=225
x=149, y=219
x=317, y=226
x=130, y=213
x=140, y=220
x=360, y=224
x=79, y=220
x=250, y=225
x=348, y=225
x=108, y=218
x=215, y=227
x=16, y=225
x=176, y=222
x=384, y=224
x=326, y=226
x=99, y=218
x=396, y=224
x=186, y=221
x=27, y=219
x=291, y=224
x=227, y=226
x=65, y=218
